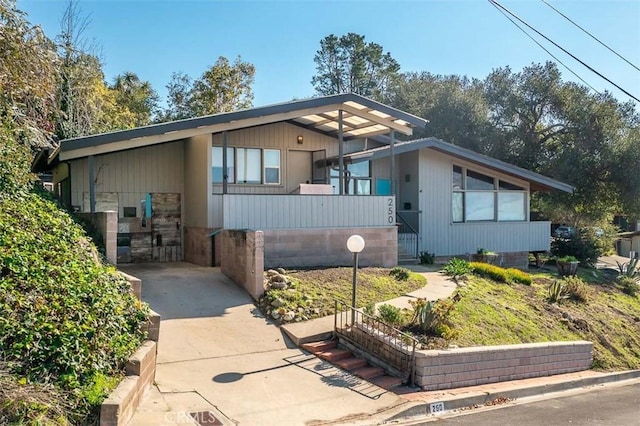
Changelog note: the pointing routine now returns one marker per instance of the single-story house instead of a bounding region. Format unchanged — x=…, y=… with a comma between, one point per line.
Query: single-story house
x=308, y=173
x=628, y=243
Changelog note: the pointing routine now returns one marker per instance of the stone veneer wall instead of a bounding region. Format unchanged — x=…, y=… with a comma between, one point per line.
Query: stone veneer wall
x=243, y=259
x=106, y=224
x=328, y=247
x=197, y=246
x=446, y=369
x=519, y=259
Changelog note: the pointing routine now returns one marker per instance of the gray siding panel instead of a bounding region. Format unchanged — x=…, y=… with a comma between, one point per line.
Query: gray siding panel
x=306, y=211
x=444, y=238
x=131, y=174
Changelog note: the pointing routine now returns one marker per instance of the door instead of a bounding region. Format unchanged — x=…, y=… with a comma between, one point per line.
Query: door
x=298, y=169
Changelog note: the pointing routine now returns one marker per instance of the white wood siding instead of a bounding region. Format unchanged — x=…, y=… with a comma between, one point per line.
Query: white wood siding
x=306, y=211
x=131, y=174
x=445, y=238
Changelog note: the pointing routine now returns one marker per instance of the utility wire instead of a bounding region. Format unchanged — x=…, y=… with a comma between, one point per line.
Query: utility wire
x=494, y=2
x=544, y=48
x=590, y=35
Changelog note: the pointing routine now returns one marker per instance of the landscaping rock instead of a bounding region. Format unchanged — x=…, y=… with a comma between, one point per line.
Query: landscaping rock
x=281, y=271
x=278, y=285
x=289, y=316
x=275, y=315
x=277, y=303
x=271, y=272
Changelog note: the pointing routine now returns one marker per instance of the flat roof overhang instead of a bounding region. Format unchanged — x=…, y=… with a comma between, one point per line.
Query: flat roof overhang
x=537, y=181
x=361, y=118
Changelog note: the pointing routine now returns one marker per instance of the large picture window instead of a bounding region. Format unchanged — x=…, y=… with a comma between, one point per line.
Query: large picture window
x=247, y=165
x=478, y=197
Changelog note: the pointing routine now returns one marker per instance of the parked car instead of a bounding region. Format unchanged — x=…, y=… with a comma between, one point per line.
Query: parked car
x=564, y=231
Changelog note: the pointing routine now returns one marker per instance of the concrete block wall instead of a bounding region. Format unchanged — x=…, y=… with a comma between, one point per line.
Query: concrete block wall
x=106, y=224
x=197, y=246
x=122, y=403
x=135, y=283
x=328, y=247
x=446, y=369
x=242, y=259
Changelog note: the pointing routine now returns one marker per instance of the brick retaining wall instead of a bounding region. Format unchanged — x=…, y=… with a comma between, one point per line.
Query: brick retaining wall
x=446, y=369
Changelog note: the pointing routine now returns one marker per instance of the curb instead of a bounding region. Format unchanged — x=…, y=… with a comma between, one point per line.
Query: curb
x=420, y=409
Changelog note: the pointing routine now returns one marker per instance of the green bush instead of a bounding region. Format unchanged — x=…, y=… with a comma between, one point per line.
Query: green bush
x=400, y=274
x=391, y=315
x=576, y=289
x=457, y=268
x=628, y=285
x=65, y=318
x=432, y=318
x=427, y=258
x=499, y=274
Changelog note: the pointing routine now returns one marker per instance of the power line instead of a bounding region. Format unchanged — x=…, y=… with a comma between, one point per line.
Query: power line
x=494, y=2
x=544, y=48
x=590, y=35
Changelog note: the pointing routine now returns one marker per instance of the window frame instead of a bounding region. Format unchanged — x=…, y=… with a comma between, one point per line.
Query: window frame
x=500, y=186
x=233, y=168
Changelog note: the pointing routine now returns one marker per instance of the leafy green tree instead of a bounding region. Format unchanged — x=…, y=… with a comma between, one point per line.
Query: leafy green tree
x=224, y=87
x=135, y=98
x=28, y=62
x=455, y=107
x=349, y=64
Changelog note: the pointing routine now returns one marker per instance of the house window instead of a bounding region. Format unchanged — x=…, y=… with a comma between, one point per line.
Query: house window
x=245, y=165
x=216, y=165
x=358, y=178
x=479, y=197
x=271, y=166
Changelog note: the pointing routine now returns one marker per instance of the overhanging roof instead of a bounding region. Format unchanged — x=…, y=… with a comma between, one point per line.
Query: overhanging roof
x=361, y=117
x=538, y=182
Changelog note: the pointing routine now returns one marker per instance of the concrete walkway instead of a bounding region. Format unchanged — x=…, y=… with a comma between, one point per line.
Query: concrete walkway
x=218, y=354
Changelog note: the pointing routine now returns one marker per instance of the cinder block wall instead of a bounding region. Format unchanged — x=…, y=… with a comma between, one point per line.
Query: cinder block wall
x=328, y=247
x=106, y=224
x=198, y=246
x=446, y=369
x=243, y=259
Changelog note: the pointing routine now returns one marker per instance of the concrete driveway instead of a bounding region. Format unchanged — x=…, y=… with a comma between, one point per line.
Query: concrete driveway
x=218, y=353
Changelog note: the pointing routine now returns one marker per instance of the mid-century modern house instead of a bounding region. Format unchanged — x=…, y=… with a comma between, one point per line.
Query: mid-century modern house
x=309, y=174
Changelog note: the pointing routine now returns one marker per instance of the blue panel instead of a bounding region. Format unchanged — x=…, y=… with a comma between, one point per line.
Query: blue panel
x=148, y=205
x=383, y=186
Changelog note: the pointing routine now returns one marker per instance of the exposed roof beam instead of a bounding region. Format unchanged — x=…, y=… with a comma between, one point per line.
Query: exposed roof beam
x=384, y=121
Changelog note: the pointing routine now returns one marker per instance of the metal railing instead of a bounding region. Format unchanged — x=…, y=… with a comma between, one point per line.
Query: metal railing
x=408, y=236
x=392, y=346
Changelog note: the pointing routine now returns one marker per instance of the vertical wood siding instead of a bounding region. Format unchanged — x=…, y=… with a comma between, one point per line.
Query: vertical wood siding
x=131, y=174
x=445, y=238
x=306, y=211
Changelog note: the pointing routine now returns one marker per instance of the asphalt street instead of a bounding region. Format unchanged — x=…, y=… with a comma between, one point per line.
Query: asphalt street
x=610, y=405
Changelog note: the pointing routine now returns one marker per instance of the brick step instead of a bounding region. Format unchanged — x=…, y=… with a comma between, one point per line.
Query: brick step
x=352, y=363
x=386, y=382
x=335, y=354
x=315, y=347
x=368, y=373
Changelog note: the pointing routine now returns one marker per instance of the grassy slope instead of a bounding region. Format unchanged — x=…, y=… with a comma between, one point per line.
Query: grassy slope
x=322, y=286
x=492, y=313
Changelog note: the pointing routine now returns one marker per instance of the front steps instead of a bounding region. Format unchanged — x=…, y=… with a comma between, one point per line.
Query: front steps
x=343, y=358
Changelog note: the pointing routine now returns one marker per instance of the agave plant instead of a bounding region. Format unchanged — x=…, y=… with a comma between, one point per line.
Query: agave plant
x=631, y=268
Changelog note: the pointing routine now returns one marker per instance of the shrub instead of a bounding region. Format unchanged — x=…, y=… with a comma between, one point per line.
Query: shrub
x=433, y=317
x=575, y=289
x=457, y=268
x=628, y=285
x=566, y=259
x=391, y=315
x=556, y=292
x=631, y=268
x=499, y=274
x=65, y=318
x=400, y=274
x=427, y=258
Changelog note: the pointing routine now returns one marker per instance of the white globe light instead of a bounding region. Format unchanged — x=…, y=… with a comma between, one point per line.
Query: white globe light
x=355, y=244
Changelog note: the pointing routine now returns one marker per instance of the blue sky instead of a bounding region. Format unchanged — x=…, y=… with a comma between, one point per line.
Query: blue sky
x=464, y=37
